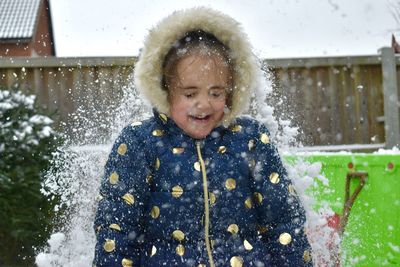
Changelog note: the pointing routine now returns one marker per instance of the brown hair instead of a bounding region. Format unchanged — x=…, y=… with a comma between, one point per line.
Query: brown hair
x=195, y=42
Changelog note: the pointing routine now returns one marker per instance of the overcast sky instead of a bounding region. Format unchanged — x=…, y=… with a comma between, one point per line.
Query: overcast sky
x=276, y=28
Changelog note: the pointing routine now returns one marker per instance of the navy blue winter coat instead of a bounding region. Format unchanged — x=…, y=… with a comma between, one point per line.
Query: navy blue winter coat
x=170, y=200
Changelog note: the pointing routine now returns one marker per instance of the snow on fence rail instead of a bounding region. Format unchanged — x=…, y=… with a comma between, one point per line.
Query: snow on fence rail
x=334, y=100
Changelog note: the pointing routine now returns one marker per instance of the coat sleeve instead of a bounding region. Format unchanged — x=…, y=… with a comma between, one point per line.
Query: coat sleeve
x=281, y=215
x=123, y=193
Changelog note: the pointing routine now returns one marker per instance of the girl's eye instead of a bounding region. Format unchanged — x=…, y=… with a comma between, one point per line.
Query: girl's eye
x=217, y=94
x=189, y=95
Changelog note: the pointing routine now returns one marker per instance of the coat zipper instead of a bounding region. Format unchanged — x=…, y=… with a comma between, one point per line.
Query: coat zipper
x=206, y=206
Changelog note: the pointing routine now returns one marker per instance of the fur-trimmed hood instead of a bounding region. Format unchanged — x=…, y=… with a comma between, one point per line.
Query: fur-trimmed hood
x=148, y=69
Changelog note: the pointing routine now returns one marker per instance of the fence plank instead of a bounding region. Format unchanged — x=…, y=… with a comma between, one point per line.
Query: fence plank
x=391, y=98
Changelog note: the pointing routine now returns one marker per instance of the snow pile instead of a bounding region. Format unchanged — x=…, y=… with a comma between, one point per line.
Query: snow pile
x=50, y=259
x=393, y=151
x=75, y=178
x=324, y=240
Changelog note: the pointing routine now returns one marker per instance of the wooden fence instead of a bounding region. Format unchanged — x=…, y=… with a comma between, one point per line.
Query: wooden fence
x=69, y=87
x=339, y=100
x=333, y=103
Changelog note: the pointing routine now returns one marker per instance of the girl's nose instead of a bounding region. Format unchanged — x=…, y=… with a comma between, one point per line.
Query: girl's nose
x=203, y=102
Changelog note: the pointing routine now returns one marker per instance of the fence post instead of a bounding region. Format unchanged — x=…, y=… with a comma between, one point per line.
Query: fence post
x=390, y=98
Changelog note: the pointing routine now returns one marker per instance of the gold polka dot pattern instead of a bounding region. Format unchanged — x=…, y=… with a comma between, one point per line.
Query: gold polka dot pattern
x=109, y=245
x=222, y=149
x=212, y=198
x=307, y=256
x=236, y=128
x=149, y=178
x=178, y=150
x=258, y=198
x=127, y=263
x=155, y=212
x=233, y=228
x=115, y=226
x=177, y=191
x=230, y=183
x=122, y=148
x=178, y=235
x=180, y=250
x=129, y=199
x=114, y=177
x=163, y=117
x=285, y=239
x=274, y=178
x=157, y=164
x=247, y=245
x=197, y=166
x=236, y=261
x=264, y=138
x=153, y=251
x=248, y=203
x=157, y=132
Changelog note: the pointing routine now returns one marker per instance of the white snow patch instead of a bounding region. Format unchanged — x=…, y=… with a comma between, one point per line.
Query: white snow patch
x=75, y=178
x=325, y=241
x=393, y=151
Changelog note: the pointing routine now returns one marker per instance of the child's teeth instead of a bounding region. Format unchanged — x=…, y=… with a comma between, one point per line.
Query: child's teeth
x=200, y=117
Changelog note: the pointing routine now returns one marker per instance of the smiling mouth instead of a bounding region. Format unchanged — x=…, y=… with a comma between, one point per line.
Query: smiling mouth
x=200, y=118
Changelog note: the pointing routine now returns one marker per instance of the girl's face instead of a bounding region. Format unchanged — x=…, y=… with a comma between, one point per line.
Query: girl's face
x=198, y=92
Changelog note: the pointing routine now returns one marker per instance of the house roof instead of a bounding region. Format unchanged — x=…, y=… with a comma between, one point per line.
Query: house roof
x=18, y=18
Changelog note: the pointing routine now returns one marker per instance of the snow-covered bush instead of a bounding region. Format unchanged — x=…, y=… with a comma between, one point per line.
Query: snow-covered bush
x=27, y=142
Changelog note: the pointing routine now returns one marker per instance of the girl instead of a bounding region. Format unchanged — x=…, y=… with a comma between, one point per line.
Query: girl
x=197, y=185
